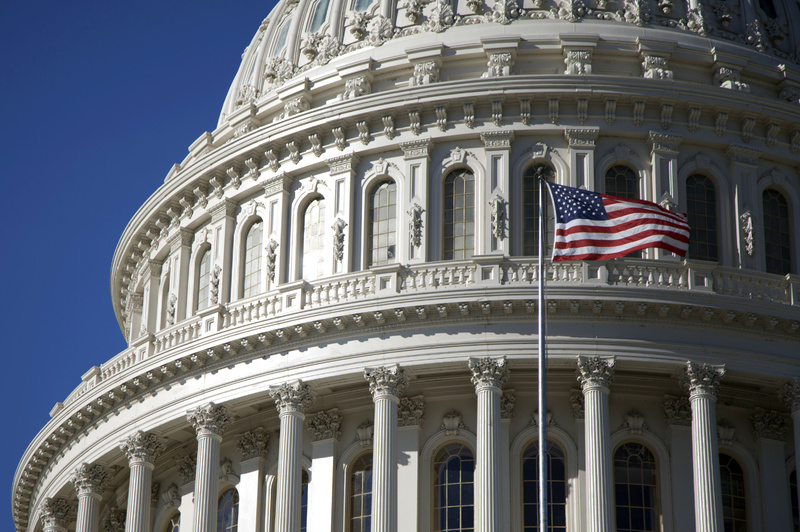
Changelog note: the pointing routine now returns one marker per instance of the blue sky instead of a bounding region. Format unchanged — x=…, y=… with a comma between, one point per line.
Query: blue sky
x=98, y=100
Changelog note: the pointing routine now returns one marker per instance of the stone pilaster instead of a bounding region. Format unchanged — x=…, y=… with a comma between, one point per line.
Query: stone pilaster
x=89, y=481
x=209, y=421
x=54, y=514
x=702, y=380
x=595, y=376
x=253, y=447
x=791, y=395
x=142, y=450
x=324, y=427
x=678, y=412
x=292, y=399
x=386, y=384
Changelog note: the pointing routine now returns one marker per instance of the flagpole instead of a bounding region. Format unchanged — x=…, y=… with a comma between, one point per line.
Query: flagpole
x=542, y=358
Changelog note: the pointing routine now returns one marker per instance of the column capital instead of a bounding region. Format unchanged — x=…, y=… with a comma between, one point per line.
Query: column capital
x=325, y=425
x=292, y=397
x=210, y=419
x=55, y=513
x=488, y=372
x=91, y=479
x=386, y=380
x=142, y=447
x=253, y=444
x=769, y=424
x=702, y=378
x=791, y=395
x=595, y=372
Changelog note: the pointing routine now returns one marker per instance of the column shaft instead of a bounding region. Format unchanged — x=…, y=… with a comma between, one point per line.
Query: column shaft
x=796, y=424
x=707, y=489
x=598, y=460
x=88, y=512
x=384, y=464
x=488, y=488
x=138, y=515
x=290, y=470
x=206, y=482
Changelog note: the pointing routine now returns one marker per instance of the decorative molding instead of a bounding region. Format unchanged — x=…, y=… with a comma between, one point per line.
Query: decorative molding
x=488, y=372
x=497, y=139
x=253, y=444
x=702, y=378
x=746, y=219
x=91, y=478
x=292, y=396
x=791, y=395
x=271, y=257
x=664, y=144
x=499, y=64
x=187, y=468
x=549, y=419
x=355, y=87
x=416, y=148
x=452, y=423
x=410, y=411
x=342, y=163
x=576, y=402
x=634, y=422
x=595, y=371
x=678, y=411
x=579, y=62
x=386, y=380
x=338, y=239
x=726, y=432
x=507, y=401
x=325, y=425
x=415, y=224
x=142, y=447
x=655, y=67
x=582, y=138
x=425, y=73
x=55, y=513
x=742, y=155
x=769, y=424
x=115, y=522
x=364, y=433
x=498, y=216
x=210, y=418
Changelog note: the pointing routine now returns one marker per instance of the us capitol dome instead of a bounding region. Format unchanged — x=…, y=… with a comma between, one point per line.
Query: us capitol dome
x=331, y=303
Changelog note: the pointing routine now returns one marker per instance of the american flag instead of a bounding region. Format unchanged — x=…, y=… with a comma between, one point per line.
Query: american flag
x=593, y=226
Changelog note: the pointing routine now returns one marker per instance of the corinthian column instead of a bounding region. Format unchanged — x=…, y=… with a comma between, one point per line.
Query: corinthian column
x=488, y=376
x=142, y=450
x=791, y=394
x=386, y=384
x=292, y=400
x=210, y=422
x=596, y=375
x=702, y=380
x=89, y=481
x=54, y=514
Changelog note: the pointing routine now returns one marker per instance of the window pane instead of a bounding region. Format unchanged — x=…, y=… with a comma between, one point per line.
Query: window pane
x=556, y=488
x=318, y=18
x=361, y=493
x=381, y=223
x=228, y=511
x=453, y=468
x=457, y=219
x=635, y=488
x=622, y=181
x=701, y=204
x=530, y=210
x=252, y=260
x=313, y=257
x=734, y=508
x=777, y=235
x=203, y=279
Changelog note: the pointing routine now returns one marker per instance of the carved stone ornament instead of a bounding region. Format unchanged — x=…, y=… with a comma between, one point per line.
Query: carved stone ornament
x=729, y=78
x=91, y=478
x=325, y=425
x=655, y=67
x=576, y=402
x=595, y=371
x=769, y=424
x=678, y=411
x=504, y=11
x=578, y=62
x=425, y=73
x=386, y=380
x=292, y=396
x=115, y=522
x=570, y=10
x=187, y=468
x=210, y=419
x=726, y=432
x=488, y=372
x=173, y=300
x=338, y=239
x=549, y=419
x=172, y=497
x=410, y=411
x=791, y=394
x=355, y=87
x=379, y=30
x=634, y=422
x=441, y=16
x=507, y=402
x=498, y=215
x=155, y=487
x=142, y=447
x=452, y=423
x=226, y=472
x=364, y=433
x=55, y=513
x=702, y=378
x=415, y=224
x=253, y=444
x=746, y=219
x=499, y=65
x=278, y=71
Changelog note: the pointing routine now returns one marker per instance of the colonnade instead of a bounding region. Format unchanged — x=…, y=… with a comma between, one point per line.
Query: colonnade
x=387, y=385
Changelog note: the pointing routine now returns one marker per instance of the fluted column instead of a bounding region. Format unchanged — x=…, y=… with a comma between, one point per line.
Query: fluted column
x=791, y=394
x=596, y=375
x=488, y=376
x=142, y=450
x=89, y=481
x=54, y=514
x=702, y=380
x=386, y=384
x=209, y=421
x=292, y=400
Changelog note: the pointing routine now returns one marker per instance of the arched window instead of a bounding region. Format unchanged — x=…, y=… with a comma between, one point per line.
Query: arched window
x=622, y=181
x=556, y=488
x=361, y=5
x=228, y=511
x=459, y=214
x=280, y=43
x=701, y=204
x=304, y=501
x=203, y=280
x=382, y=223
x=734, y=503
x=635, y=491
x=319, y=15
x=361, y=494
x=795, y=503
x=530, y=209
x=313, y=257
x=252, y=260
x=174, y=523
x=454, y=469
x=777, y=236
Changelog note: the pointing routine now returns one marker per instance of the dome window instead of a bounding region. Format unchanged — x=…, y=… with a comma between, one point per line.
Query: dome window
x=361, y=5
x=319, y=15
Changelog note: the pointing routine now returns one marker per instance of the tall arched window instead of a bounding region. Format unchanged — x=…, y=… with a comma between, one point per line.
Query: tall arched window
x=252, y=260
x=622, y=181
x=453, y=491
x=203, y=280
x=777, y=235
x=313, y=257
x=304, y=481
x=361, y=494
x=459, y=215
x=556, y=488
x=174, y=523
x=795, y=503
x=701, y=204
x=382, y=223
x=319, y=15
x=280, y=43
x=635, y=488
x=361, y=5
x=530, y=209
x=228, y=511
x=734, y=502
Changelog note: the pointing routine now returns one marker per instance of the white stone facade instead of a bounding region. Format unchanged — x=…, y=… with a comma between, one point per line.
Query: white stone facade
x=310, y=290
